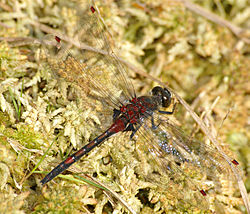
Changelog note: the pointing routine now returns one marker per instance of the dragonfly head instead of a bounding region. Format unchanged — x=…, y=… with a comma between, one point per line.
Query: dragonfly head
x=163, y=94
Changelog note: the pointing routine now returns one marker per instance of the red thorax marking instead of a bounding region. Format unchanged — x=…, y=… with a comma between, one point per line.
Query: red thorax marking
x=134, y=100
x=133, y=120
x=123, y=109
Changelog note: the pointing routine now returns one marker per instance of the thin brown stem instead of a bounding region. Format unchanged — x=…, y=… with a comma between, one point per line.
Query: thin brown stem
x=241, y=33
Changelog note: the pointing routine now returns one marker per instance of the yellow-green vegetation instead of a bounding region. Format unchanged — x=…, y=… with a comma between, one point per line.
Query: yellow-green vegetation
x=204, y=62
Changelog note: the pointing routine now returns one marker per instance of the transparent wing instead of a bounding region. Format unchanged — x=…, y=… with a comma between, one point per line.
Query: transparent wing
x=206, y=158
x=184, y=167
x=177, y=180
x=93, y=66
x=93, y=25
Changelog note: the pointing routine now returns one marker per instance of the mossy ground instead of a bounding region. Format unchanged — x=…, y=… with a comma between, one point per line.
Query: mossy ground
x=200, y=60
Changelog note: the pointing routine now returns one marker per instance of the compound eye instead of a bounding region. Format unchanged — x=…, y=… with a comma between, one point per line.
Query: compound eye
x=166, y=98
x=164, y=94
x=157, y=91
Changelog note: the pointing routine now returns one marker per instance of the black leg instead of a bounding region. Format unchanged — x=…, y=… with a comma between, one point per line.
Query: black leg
x=116, y=113
x=153, y=123
x=135, y=130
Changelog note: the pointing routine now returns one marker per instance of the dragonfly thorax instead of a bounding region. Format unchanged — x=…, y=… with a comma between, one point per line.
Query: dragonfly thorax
x=143, y=106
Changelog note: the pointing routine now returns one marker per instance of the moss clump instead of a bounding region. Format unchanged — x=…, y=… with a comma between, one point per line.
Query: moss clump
x=204, y=62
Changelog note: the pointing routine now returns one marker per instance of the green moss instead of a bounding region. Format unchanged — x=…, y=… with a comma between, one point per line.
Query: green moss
x=199, y=59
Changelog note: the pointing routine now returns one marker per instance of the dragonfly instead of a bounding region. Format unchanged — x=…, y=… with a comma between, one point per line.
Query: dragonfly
x=100, y=69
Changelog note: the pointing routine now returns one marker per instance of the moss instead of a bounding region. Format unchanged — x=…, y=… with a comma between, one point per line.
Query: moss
x=199, y=59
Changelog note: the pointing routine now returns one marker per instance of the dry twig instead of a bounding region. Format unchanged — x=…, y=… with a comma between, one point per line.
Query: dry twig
x=241, y=33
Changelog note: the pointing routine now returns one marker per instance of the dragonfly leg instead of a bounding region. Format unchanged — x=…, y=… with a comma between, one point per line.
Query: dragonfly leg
x=116, y=113
x=153, y=123
x=135, y=130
